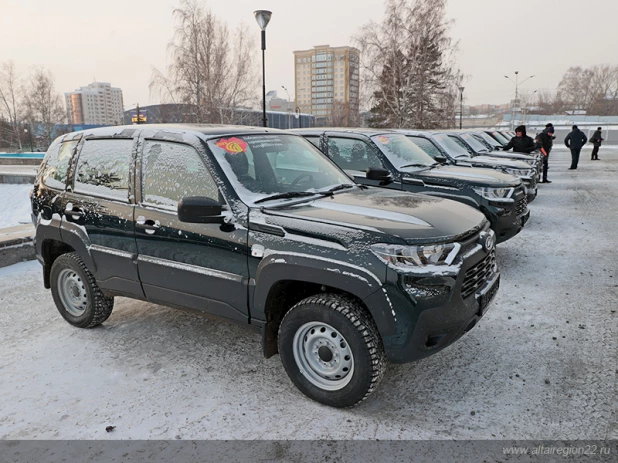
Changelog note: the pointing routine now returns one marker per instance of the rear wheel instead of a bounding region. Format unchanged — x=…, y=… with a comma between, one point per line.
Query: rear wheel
x=331, y=350
x=76, y=294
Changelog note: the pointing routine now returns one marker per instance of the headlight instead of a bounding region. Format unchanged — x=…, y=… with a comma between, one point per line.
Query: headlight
x=494, y=193
x=515, y=172
x=416, y=256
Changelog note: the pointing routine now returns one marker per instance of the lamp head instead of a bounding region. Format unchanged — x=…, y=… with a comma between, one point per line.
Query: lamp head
x=263, y=18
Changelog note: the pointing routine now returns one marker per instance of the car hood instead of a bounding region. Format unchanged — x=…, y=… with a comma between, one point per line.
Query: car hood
x=497, y=162
x=509, y=155
x=465, y=175
x=415, y=218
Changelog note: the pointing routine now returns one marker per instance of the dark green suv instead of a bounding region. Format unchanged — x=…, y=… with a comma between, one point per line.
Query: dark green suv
x=258, y=227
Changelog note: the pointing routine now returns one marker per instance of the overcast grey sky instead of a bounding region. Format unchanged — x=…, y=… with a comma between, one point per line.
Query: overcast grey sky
x=121, y=41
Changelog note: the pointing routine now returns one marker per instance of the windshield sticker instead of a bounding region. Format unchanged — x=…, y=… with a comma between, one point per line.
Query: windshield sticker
x=384, y=140
x=233, y=145
x=258, y=142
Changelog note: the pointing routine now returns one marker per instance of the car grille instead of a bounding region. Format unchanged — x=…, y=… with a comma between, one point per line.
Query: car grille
x=521, y=206
x=478, y=275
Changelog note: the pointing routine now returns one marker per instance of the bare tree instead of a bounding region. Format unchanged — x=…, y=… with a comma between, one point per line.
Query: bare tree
x=594, y=89
x=211, y=69
x=10, y=99
x=43, y=105
x=408, y=63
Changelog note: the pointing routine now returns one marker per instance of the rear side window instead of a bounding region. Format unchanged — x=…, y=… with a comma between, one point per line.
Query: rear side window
x=172, y=171
x=427, y=146
x=57, y=165
x=103, y=169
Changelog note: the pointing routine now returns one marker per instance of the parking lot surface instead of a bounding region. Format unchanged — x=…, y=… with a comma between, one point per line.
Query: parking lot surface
x=540, y=365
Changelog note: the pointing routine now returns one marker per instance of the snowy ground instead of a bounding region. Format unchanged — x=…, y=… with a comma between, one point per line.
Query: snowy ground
x=541, y=365
x=14, y=205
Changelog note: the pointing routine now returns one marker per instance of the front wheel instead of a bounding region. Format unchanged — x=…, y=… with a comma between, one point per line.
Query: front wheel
x=331, y=350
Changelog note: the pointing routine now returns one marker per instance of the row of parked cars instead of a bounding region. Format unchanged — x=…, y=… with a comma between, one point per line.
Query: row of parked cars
x=344, y=248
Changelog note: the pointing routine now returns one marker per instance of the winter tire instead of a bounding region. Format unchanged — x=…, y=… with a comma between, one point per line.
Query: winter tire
x=331, y=350
x=76, y=294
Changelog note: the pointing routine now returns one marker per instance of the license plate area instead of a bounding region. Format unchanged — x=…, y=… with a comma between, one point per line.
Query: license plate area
x=486, y=298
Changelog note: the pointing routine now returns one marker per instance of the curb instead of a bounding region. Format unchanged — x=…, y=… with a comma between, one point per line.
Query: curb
x=17, y=178
x=16, y=250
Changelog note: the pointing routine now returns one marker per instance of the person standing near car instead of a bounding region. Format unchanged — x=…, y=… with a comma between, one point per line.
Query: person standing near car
x=596, y=140
x=575, y=142
x=545, y=141
x=520, y=143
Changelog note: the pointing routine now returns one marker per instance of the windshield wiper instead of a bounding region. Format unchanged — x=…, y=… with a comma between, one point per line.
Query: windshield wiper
x=289, y=194
x=343, y=186
x=417, y=165
x=302, y=194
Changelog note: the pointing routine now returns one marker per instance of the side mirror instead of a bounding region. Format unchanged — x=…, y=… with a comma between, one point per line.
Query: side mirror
x=199, y=209
x=441, y=159
x=379, y=174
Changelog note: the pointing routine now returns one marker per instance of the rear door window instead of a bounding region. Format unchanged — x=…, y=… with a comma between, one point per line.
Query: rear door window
x=57, y=165
x=103, y=168
x=172, y=171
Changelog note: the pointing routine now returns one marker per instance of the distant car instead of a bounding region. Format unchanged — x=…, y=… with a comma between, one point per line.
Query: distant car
x=389, y=159
x=451, y=149
x=534, y=159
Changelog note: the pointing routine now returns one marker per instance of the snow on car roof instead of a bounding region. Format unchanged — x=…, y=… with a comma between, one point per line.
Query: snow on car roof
x=204, y=129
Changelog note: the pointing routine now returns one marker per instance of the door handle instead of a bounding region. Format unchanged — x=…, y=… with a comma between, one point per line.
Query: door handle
x=149, y=226
x=74, y=212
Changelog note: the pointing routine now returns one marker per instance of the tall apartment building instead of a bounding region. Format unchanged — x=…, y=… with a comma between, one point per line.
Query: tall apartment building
x=327, y=84
x=98, y=104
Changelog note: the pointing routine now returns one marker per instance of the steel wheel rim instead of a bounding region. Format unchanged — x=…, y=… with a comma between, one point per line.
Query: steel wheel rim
x=72, y=291
x=323, y=356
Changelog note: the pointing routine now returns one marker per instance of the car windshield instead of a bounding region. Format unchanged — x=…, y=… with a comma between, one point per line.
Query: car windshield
x=451, y=146
x=427, y=146
x=265, y=165
x=402, y=152
x=501, y=138
x=474, y=143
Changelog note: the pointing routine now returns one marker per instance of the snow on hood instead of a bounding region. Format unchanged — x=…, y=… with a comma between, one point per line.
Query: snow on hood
x=408, y=216
x=481, y=177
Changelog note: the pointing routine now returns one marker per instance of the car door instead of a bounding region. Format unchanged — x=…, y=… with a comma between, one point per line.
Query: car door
x=198, y=266
x=98, y=213
x=355, y=156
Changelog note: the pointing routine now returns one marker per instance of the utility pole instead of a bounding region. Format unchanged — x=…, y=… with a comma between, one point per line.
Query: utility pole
x=461, y=90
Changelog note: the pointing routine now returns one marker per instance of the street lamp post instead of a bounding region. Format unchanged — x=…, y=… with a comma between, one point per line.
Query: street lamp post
x=263, y=18
x=517, y=84
x=461, y=90
x=30, y=136
x=287, y=107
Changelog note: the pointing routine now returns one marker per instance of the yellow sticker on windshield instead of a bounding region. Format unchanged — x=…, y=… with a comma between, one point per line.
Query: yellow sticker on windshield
x=233, y=145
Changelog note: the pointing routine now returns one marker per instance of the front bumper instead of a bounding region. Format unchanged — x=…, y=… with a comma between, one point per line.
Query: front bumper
x=433, y=311
x=530, y=182
x=507, y=219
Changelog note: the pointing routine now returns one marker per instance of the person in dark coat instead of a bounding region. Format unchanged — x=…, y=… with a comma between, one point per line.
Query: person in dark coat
x=520, y=143
x=596, y=140
x=575, y=141
x=545, y=142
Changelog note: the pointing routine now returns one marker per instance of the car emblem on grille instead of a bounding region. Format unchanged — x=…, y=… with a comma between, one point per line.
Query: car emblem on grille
x=487, y=241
